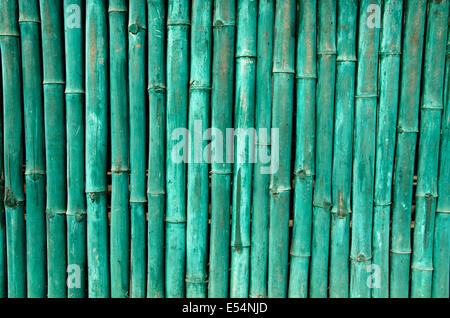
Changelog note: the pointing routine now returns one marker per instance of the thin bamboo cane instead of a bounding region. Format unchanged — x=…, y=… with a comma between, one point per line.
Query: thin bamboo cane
x=137, y=24
x=12, y=124
x=55, y=144
x=390, y=49
x=263, y=117
x=408, y=125
x=243, y=169
x=96, y=143
x=326, y=65
x=306, y=77
x=197, y=174
x=428, y=162
x=156, y=163
x=343, y=148
x=3, y=277
x=364, y=152
x=177, y=98
x=29, y=21
x=224, y=30
x=76, y=200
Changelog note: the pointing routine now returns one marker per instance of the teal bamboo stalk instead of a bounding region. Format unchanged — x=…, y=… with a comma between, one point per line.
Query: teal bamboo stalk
x=407, y=129
x=263, y=116
x=30, y=30
x=96, y=143
x=343, y=148
x=3, y=278
x=243, y=168
x=390, y=50
x=76, y=200
x=322, y=202
x=137, y=24
x=197, y=172
x=157, y=122
x=224, y=31
x=364, y=152
x=12, y=124
x=304, y=170
x=177, y=99
x=120, y=146
x=429, y=140
x=55, y=144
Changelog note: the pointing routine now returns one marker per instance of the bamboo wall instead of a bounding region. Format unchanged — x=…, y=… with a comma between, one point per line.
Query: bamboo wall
x=354, y=202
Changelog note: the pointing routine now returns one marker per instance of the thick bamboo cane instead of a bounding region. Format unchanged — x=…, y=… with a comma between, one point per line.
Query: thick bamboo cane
x=96, y=144
x=30, y=30
x=390, y=49
x=263, y=117
x=343, y=148
x=364, y=150
x=157, y=122
x=12, y=124
x=76, y=200
x=243, y=169
x=3, y=277
x=177, y=99
x=407, y=129
x=224, y=30
x=120, y=147
x=55, y=144
x=306, y=77
x=326, y=67
x=198, y=174
x=429, y=140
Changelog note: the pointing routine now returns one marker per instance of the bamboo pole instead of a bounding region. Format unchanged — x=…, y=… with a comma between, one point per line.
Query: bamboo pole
x=96, y=140
x=390, y=50
x=326, y=66
x=407, y=129
x=29, y=22
x=76, y=200
x=3, y=278
x=177, y=99
x=224, y=30
x=12, y=124
x=55, y=144
x=343, y=148
x=243, y=169
x=197, y=173
x=429, y=139
x=364, y=153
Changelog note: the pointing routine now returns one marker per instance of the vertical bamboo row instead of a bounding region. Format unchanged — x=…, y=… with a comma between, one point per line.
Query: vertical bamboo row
x=390, y=50
x=55, y=144
x=29, y=21
x=429, y=141
x=96, y=143
x=407, y=129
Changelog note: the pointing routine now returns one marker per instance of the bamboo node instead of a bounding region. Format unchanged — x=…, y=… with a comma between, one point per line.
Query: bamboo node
x=327, y=206
x=401, y=252
x=24, y=20
x=135, y=28
x=157, y=88
x=442, y=211
x=432, y=107
x=390, y=53
x=221, y=24
x=74, y=92
x=300, y=256
x=14, y=35
x=346, y=60
x=401, y=130
x=196, y=280
x=422, y=269
x=306, y=76
x=283, y=71
x=178, y=22
x=155, y=194
x=361, y=258
x=175, y=221
x=367, y=96
x=221, y=172
x=53, y=83
x=382, y=204
x=52, y=212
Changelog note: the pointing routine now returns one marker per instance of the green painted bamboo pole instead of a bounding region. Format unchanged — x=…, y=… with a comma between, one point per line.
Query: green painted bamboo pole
x=304, y=169
x=55, y=144
x=120, y=161
x=76, y=200
x=197, y=173
x=407, y=129
x=343, y=148
x=157, y=118
x=3, y=278
x=224, y=30
x=96, y=143
x=243, y=119
x=263, y=117
x=390, y=50
x=12, y=124
x=177, y=99
x=29, y=21
x=364, y=152
x=429, y=140
x=137, y=24
x=326, y=67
